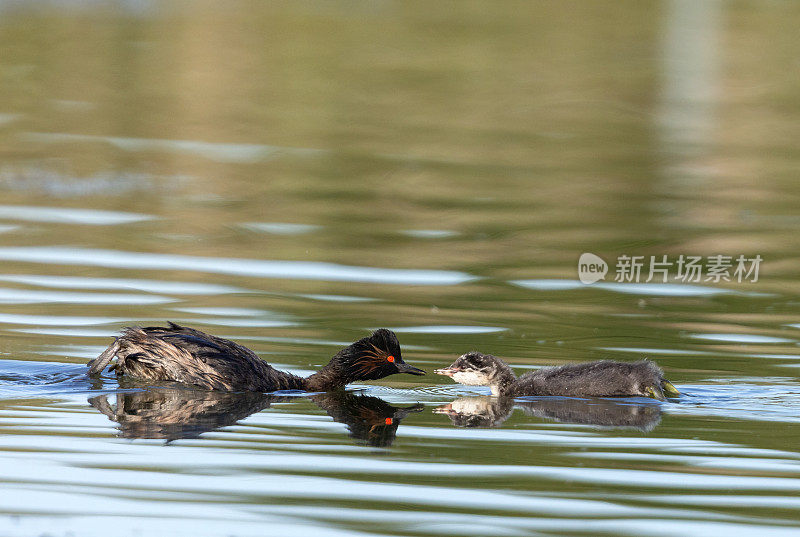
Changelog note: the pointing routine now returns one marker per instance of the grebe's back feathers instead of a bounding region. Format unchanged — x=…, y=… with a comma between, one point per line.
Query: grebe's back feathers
x=604, y=378
x=181, y=354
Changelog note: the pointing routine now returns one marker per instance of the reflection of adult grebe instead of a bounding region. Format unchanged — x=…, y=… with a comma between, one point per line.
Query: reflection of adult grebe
x=175, y=412
x=369, y=419
x=180, y=354
x=593, y=379
x=493, y=411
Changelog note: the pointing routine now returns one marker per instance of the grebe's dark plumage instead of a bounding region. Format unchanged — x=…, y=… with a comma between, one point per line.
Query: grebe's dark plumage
x=604, y=378
x=180, y=354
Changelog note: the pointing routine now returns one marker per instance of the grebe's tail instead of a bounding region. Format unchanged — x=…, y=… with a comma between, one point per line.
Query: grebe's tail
x=100, y=363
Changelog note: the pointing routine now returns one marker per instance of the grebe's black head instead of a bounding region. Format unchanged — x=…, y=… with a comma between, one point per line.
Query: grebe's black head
x=475, y=369
x=374, y=357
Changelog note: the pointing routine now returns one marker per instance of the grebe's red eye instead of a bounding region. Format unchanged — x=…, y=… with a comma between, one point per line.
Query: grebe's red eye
x=390, y=358
x=388, y=421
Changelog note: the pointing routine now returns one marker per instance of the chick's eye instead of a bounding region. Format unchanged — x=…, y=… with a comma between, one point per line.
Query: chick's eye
x=390, y=358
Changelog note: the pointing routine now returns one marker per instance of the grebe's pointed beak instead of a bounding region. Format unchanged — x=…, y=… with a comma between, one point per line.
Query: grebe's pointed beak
x=401, y=413
x=448, y=371
x=403, y=367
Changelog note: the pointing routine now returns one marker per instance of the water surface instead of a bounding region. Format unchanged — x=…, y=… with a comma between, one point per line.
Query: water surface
x=294, y=175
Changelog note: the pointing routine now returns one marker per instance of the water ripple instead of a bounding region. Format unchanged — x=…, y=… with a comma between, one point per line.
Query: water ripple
x=25, y=296
x=741, y=338
x=219, y=152
x=448, y=329
x=55, y=320
x=299, y=270
x=280, y=228
x=65, y=215
x=149, y=286
x=429, y=233
x=650, y=289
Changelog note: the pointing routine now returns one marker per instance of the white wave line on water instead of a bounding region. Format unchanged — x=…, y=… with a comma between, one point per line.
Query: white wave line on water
x=238, y=152
x=216, y=151
x=448, y=329
x=69, y=215
x=276, y=461
x=300, y=270
x=149, y=286
x=26, y=296
x=55, y=320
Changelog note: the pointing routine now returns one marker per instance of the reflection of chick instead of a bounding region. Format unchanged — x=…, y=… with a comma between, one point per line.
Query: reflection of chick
x=603, y=413
x=482, y=412
x=369, y=419
x=493, y=411
x=603, y=378
x=172, y=413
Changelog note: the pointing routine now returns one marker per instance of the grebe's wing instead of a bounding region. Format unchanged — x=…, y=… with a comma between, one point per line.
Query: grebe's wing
x=181, y=354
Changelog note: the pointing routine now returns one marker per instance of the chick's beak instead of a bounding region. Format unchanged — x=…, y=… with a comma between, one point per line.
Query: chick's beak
x=444, y=409
x=447, y=371
x=403, y=367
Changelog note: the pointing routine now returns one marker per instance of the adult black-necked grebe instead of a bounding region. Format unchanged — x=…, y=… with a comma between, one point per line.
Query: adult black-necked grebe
x=604, y=378
x=180, y=354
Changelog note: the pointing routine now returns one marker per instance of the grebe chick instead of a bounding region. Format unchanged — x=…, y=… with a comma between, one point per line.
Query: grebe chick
x=180, y=354
x=604, y=378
